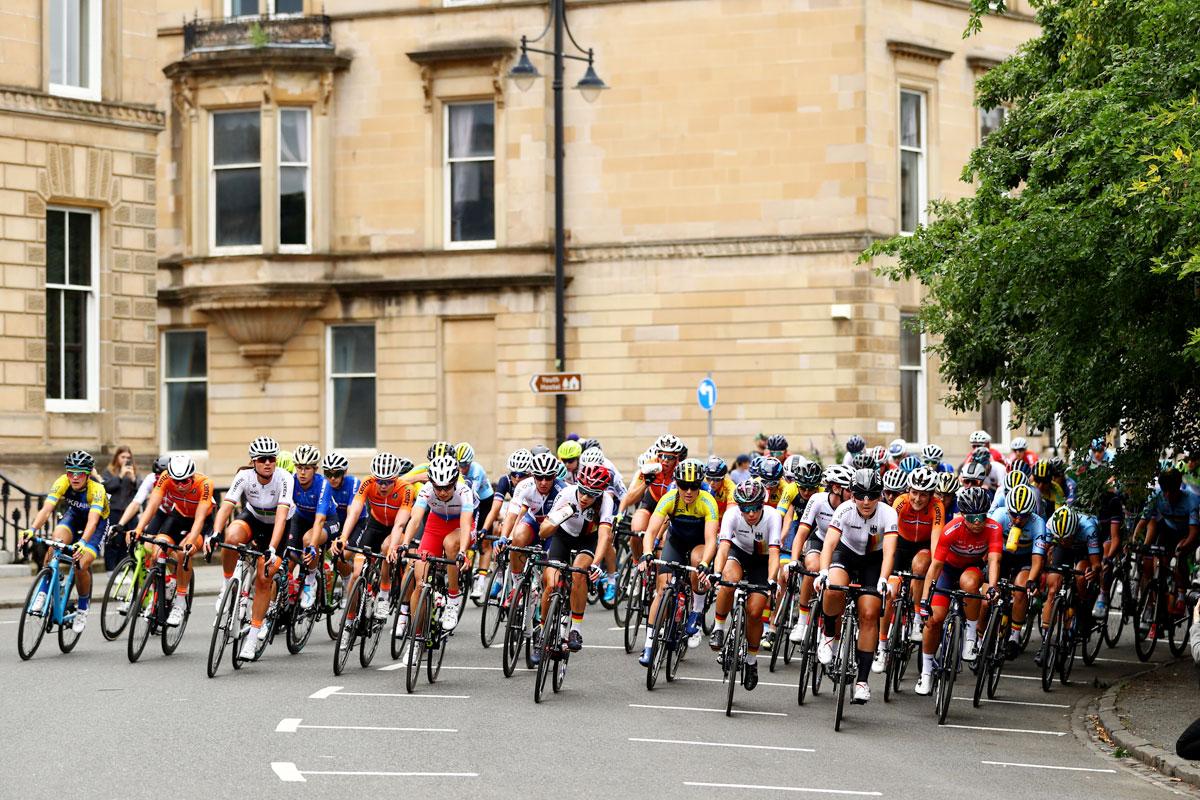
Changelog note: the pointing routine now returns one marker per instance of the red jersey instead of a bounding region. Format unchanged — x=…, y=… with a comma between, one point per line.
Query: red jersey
x=918, y=526
x=385, y=505
x=1029, y=457
x=959, y=548
x=184, y=499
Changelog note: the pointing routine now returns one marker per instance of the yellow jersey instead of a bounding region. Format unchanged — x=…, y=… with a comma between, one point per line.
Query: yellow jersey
x=91, y=498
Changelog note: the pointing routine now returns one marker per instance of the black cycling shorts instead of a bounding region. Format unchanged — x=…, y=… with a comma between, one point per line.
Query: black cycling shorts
x=906, y=551
x=562, y=544
x=678, y=549
x=863, y=570
x=370, y=533
x=260, y=532
x=755, y=566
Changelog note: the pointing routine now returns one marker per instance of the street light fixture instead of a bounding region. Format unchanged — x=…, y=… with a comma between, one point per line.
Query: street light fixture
x=523, y=74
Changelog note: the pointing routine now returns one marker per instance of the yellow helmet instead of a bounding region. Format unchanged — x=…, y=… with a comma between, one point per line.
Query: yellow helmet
x=569, y=450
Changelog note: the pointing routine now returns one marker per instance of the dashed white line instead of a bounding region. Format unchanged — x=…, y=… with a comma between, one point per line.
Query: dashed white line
x=289, y=773
x=712, y=710
x=1046, y=766
x=781, y=788
x=1017, y=703
x=291, y=725
x=1121, y=660
x=725, y=744
x=332, y=691
x=1004, y=730
x=1021, y=677
x=721, y=680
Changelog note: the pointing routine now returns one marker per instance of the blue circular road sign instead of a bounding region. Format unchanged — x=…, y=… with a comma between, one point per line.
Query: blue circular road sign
x=706, y=394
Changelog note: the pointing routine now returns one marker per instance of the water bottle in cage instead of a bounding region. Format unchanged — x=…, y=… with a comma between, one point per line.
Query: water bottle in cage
x=293, y=587
x=171, y=586
x=439, y=605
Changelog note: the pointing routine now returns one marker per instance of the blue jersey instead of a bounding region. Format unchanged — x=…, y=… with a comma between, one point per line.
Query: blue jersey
x=1033, y=529
x=1086, y=536
x=1177, y=516
x=944, y=466
x=478, y=479
x=316, y=499
x=343, y=497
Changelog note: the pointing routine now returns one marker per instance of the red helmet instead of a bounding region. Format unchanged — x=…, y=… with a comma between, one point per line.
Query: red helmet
x=595, y=478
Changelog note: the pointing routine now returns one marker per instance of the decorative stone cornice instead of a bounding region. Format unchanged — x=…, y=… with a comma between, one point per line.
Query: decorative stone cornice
x=227, y=62
x=981, y=63
x=120, y=115
x=918, y=52
x=725, y=248
x=491, y=51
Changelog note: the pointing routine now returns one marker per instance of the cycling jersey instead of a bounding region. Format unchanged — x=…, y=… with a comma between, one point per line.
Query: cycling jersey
x=1002, y=494
x=145, y=488
x=185, y=500
x=261, y=499
x=537, y=504
x=316, y=499
x=782, y=495
x=385, y=504
x=618, y=481
x=343, y=496
x=722, y=492
x=477, y=478
x=755, y=539
x=462, y=501
x=859, y=535
x=585, y=521
x=658, y=485
x=818, y=514
x=688, y=520
x=1178, y=515
x=1085, y=537
x=959, y=547
x=1033, y=528
x=91, y=497
x=918, y=526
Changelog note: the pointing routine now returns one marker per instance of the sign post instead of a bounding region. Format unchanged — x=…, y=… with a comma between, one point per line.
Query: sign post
x=556, y=383
x=706, y=396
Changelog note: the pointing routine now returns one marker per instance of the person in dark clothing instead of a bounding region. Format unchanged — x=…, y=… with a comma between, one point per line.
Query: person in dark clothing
x=1188, y=745
x=121, y=483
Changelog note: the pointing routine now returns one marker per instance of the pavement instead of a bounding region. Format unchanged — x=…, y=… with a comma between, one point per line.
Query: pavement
x=285, y=726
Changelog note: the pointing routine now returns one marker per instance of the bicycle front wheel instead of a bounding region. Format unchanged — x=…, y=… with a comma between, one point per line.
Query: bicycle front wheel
x=633, y=612
x=950, y=653
x=782, y=630
x=67, y=635
x=734, y=645
x=1049, y=651
x=986, y=656
x=119, y=594
x=418, y=627
x=343, y=644
x=332, y=597
x=1178, y=627
x=808, y=650
x=846, y=667
x=1119, y=604
x=546, y=647
x=173, y=636
x=662, y=633
x=141, y=617
x=514, y=631
x=492, y=613
x=222, y=626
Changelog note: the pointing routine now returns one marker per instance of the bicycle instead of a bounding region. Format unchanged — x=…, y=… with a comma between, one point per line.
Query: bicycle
x=989, y=663
x=670, y=642
x=124, y=585
x=58, y=608
x=900, y=646
x=1153, y=613
x=627, y=574
x=522, y=608
x=947, y=662
x=811, y=674
x=232, y=613
x=637, y=604
x=843, y=670
x=1057, y=653
x=556, y=628
x=155, y=600
x=300, y=621
x=425, y=639
x=494, y=611
x=1122, y=583
x=335, y=591
x=359, y=613
x=732, y=655
x=785, y=619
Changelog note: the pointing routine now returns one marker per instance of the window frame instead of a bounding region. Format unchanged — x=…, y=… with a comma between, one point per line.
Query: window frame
x=90, y=404
x=240, y=249
x=227, y=10
x=164, y=400
x=95, y=53
x=284, y=14
x=922, y=152
x=331, y=376
x=447, y=198
x=922, y=410
x=979, y=135
x=279, y=165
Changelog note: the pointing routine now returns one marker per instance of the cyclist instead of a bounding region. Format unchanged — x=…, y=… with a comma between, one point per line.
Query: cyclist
x=968, y=543
x=476, y=477
x=720, y=486
x=993, y=470
x=777, y=447
x=748, y=548
x=416, y=475
x=810, y=536
x=594, y=456
x=895, y=481
x=983, y=439
x=1020, y=527
x=947, y=491
x=779, y=492
x=532, y=500
x=854, y=445
x=896, y=451
x=1049, y=492
x=266, y=497
x=388, y=501
x=518, y=467
x=1111, y=517
x=933, y=457
x=1012, y=480
x=857, y=549
x=1058, y=470
x=1174, y=523
x=1098, y=455
x=137, y=504
x=316, y=516
x=689, y=515
x=579, y=522
x=569, y=453
x=1069, y=540
x=1022, y=453
x=879, y=455
x=342, y=487
x=84, y=519
x=189, y=495
x=652, y=482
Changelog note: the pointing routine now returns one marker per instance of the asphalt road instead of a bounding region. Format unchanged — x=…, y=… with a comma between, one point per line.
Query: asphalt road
x=93, y=725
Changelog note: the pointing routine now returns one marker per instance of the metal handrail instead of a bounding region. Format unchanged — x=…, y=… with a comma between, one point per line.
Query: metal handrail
x=18, y=506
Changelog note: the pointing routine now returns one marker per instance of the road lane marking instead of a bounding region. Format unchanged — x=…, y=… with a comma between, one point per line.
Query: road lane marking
x=724, y=744
x=1046, y=766
x=1016, y=702
x=714, y=710
x=10, y=622
x=604, y=647
x=1003, y=730
x=331, y=691
x=321, y=694
x=289, y=773
x=1122, y=661
x=291, y=725
x=722, y=680
x=1021, y=677
x=781, y=788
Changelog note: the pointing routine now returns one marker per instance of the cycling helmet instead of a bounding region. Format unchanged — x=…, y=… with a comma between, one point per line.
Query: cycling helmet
x=264, y=447
x=980, y=438
x=770, y=470
x=544, y=465
x=1099, y=444
x=334, y=462
x=716, y=468
x=863, y=461
x=1064, y=524
x=947, y=483
x=79, y=461
x=1019, y=443
x=644, y=459
x=683, y=452
x=385, y=466
x=1019, y=500
x=537, y=449
x=306, y=456
x=909, y=463
x=595, y=478
x=974, y=471
x=1014, y=479
x=668, y=443
x=750, y=493
x=464, y=453
x=588, y=444
x=181, y=467
x=1022, y=466
x=897, y=447
x=973, y=500
x=688, y=474
x=895, y=480
x=406, y=466
x=793, y=463
x=1170, y=480
x=286, y=462
x=592, y=456
x=982, y=456
x=868, y=482
x=443, y=471
x=1057, y=465
x=160, y=464
x=855, y=444
x=438, y=449
x=569, y=451
x=842, y=475
x=879, y=453
x=931, y=452
x=922, y=479
x=809, y=475
x=1042, y=471
x=520, y=461
x=777, y=444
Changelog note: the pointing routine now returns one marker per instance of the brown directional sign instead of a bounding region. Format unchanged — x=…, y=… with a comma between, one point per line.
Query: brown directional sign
x=556, y=383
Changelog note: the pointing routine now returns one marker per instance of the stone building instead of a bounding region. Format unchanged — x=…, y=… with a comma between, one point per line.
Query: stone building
x=355, y=216
x=78, y=149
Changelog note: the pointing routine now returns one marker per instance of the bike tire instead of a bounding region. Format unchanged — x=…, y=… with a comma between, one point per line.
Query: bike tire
x=222, y=626
x=808, y=660
x=986, y=656
x=952, y=642
x=845, y=664
x=433, y=662
x=140, y=624
x=514, y=635
x=660, y=644
x=782, y=629
x=353, y=606
x=493, y=612
x=1092, y=640
x=1070, y=643
x=626, y=585
x=734, y=664
x=398, y=638
x=634, y=614
x=1143, y=645
x=67, y=637
x=1118, y=607
x=335, y=592
x=120, y=591
x=545, y=648
x=1178, y=627
x=1049, y=651
x=416, y=640
x=171, y=637
x=895, y=646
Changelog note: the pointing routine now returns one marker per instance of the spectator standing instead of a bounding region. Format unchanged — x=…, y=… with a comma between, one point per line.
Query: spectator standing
x=121, y=482
x=741, y=468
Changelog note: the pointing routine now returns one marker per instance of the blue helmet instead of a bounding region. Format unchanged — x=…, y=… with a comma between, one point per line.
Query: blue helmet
x=909, y=463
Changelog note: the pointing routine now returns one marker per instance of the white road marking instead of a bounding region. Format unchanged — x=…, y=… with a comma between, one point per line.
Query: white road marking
x=781, y=788
x=721, y=680
x=330, y=691
x=1123, y=661
x=714, y=710
x=1004, y=730
x=390, y=667
x=287, y=771
x=725, y=744
x=1016, y=702
x=10, y=622
x=321, y=694
x=604, y=647
x=1046, y=766
x=1021, y=677
x=401, y=665
x=291, y=725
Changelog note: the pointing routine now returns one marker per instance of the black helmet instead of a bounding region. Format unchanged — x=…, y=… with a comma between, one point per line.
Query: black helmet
x=855, y=444
x=777, y=444
x=863, y=460
x=972, y=500
x=588, y=444
x=79, y=461
x=809, y=476
x=160, y=464
x=867, y=482
x=716, y=468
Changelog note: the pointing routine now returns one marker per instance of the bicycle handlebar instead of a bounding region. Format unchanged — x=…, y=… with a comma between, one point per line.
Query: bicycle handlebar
x=745, y=586
x=243, y=550
x=961, y=594
x=853, y=589
x=674, y=565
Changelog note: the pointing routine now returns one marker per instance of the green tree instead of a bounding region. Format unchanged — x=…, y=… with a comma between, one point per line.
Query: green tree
x=1067, y=283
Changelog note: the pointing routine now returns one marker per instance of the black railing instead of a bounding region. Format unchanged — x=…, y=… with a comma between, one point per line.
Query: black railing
x=19, y=506
x=253, y=32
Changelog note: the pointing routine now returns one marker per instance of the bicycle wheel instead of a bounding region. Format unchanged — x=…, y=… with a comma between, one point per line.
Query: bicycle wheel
x=335, y=593
x=437, y=651
x=418, y=627
x=300, y=627
x=399, y=637
x=1093, y=637
x=845, y=668
x=118, y=594
x=560, y=665
x=172, y=636
x=735, y=644
x=987, y=655
x=34, y=626
x=67, y=637
x=222, y=626
x=1118, y=609
x=782, y=630
x=808, y=660
x=1032, y=615
x=950, y=653
x=895, y=648
x=1070, y=640
x=349, y=622
x=626, y=585
x=1144, y=622
x=1049, y=650
x=493, y=612
x=142, y=616
x=634, y=612
x=514, y=632
x=370, y=640
x=660, y=644
x=1178, y=625
x=545, y=647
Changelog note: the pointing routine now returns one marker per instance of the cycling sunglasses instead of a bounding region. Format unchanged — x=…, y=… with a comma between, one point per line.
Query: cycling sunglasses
x=540, y=478
x=518, y=476
x=265, y=460
x=751, y=509
x=76, y=471
x=688, y=487
x=335, y=473
x=867, y=495
x=971, y=483
x=590, y=492
x=770, y=484
x=974, y=519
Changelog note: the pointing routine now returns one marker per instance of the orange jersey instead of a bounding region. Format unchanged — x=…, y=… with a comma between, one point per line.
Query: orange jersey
x=658, y=485
x=385, y=505
x=918, y=526
x=185, y=500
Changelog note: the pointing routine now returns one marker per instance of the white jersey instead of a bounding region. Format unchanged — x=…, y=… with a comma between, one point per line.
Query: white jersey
x=818, y=513
x=755, y=539
x=144, y=490
x=526, y=494
x=618, y=482
x=848, y=459
x=860, y=535
x=584, y=521
x=995, y=478
x=461, y=502
x=261, y=499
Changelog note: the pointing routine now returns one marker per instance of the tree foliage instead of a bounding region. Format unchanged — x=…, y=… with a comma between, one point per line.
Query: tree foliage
x=1067, y=283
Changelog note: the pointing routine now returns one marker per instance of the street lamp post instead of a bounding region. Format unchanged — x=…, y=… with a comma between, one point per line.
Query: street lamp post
x=523, y=74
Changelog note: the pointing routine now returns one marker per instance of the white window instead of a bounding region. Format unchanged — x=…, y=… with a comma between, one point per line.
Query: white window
x=351, y=400
x=295, y=205
x=75, y=48
x=995, y=418
x=912, y=381
x=72, y=310
x=185, y=390
x=235, y=187
x=469, y=183
x=914, y=178
x=990, y=120
x=285, y=7
x=241, y=8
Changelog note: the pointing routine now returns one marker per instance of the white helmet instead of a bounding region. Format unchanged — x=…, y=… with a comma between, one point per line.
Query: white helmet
x=520, y=461
x=668, y=443
x=545, y=465
x=181, y=467
x=645, y=458
x=263, y=447
x=980, y=438
x=334, y=462
x=791, y=467
x=443, y=471
x=897, y=448
x=839, y=474
x=306, y=456
x=592, y=457
x=931, y=452
x=385, y=466
x=1019, y=443
x=974, y=471
x=922, y=479
x=895, y=480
